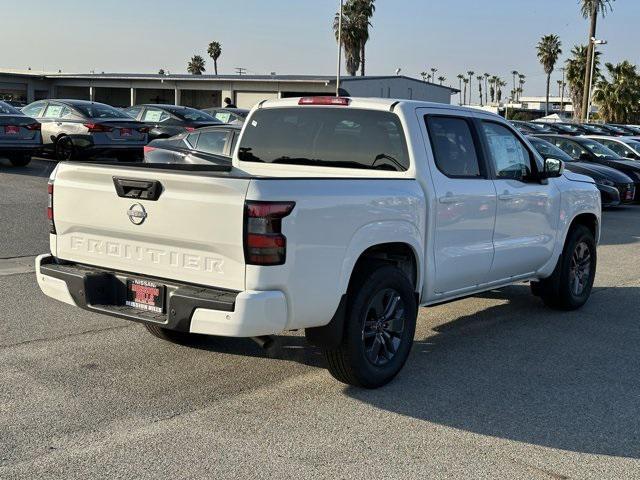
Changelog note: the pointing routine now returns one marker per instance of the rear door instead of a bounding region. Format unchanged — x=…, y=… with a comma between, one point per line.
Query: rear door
x=466, y=202
x=528, y=210
x=193, y=232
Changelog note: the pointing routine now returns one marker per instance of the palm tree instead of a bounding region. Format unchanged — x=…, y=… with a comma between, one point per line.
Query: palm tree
x=521, y=81
x=559, y=82
x=466, y=82
x=433, y=73
x=493, y=84
x=480, y=78
x=356, y=20
x=196, y=65
x=575, y=66
x=591, y=9
x=424, y=76
x=501, y=84
x=363, y=11
x=460, y=78
x=486, y=89
x=618, y=99
x=441, y=79
x=549, y=49
x=214, y=51
x=470, y=73
x=514, y=73
x=161, y=71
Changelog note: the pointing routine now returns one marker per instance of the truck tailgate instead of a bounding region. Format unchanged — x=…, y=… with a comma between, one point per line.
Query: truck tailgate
x=192, y=233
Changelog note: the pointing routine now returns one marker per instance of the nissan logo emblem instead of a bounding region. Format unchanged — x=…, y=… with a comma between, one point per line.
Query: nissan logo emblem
x=137, y=214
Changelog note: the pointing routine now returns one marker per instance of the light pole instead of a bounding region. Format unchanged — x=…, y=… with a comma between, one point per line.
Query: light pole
x=339, y=50
x=595, y=43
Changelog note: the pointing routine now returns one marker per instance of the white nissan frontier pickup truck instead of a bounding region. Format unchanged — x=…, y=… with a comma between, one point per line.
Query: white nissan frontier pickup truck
x=340, y=216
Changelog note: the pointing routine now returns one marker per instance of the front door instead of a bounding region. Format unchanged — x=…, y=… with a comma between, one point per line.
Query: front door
x=528, y=209
x=465, y=205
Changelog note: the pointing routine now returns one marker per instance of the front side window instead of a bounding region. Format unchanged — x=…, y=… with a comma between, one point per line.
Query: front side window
x=619, y=148
x=453, y=146
x=572, y=149
x=53, y=111
x=598, y=150
x=212, y=142
x=511, y=159
x=325, y=137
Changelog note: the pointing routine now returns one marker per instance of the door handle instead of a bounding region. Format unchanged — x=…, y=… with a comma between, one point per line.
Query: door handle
x=450, y=198
x=506, y=196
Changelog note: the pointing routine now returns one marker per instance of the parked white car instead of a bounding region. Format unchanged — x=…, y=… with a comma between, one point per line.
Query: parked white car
x=625, y=147
x=339, y=216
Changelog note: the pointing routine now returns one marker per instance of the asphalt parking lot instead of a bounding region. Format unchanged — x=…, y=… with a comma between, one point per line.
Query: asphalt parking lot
x=497, y=386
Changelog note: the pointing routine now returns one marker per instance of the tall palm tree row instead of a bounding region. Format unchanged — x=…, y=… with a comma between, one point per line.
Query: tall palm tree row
x=590, y=9
x=441, y=79
x=574, y=68
x=549, y=49
x=466, y=82
x=471, y=73
x=618, y=98
x=214, y=51
x=462, y=99
x=356, y=20
x=480, y=78
x=196, y=65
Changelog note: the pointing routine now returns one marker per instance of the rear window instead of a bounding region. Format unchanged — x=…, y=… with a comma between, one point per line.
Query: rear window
x=326, y=137
x=100, y=110
x=190, y=114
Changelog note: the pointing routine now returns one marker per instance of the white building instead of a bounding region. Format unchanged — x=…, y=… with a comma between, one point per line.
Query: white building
x=200, y=91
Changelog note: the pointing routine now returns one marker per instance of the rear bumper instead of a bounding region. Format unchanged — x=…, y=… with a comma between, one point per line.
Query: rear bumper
x=188, y=308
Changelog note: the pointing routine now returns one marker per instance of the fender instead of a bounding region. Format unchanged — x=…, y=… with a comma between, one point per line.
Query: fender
x=376, y=233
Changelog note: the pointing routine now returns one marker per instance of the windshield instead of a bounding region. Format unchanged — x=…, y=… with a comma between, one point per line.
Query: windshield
x=635, y=145
x=6, y=109
x=597, y=149
x=548, y=150
x=538, y=127
x=100, y=110
x=191, y=114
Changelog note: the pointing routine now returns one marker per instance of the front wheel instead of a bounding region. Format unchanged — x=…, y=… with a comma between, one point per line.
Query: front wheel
x=570, y=285
x=379, y=329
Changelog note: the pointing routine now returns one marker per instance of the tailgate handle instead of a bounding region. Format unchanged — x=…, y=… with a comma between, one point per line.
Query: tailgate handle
x=134, y=188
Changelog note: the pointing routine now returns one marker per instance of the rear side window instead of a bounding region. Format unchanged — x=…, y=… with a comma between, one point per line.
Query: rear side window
x=53, y=111
x=326, y=137
x=212, y=142
x=453, y=147
x=34, y=110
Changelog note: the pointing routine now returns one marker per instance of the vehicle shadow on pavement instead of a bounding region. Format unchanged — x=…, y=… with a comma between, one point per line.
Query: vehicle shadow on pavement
x=519, y=371
x=37, y=168
x=621, y=225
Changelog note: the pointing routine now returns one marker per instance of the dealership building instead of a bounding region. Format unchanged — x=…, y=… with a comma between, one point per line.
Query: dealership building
x=201, y=91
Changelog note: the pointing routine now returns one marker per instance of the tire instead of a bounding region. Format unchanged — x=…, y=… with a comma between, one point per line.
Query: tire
x=21, y=160
x=568, y=287
x=64, y=149
x=365, y=357
x=166, y=334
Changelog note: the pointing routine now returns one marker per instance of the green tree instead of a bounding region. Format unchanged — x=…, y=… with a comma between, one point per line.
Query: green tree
x=618, y=97
x=549, y=49
x=480, y=78
x=214, y=51
x=575, y=66
x=441, y=79
x=460, y=79
x=356, y=21
x=590, y=9
x=471, y=73
x=196, y=65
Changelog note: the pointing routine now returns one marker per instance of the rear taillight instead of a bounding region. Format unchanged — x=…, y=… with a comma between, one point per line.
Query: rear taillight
x=190, y=129
x=33, y=126
x=11, y=130
x=264, y=243
x=147, y=149
x=97, y=128
x=338, y=101
x=52, y=226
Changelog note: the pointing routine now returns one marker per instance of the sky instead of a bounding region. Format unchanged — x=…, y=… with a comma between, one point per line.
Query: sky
x=295, y=36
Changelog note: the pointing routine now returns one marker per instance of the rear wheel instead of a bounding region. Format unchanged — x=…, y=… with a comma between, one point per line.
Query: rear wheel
x=570, y=285
x=65, y=149
x=379, y=329
x=20, y=160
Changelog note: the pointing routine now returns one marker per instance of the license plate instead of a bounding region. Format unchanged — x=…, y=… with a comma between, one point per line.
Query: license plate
x=11, y=130
x=145, y=295
x=125, y=132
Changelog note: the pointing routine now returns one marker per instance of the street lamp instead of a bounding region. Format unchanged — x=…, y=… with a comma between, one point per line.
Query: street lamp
x=595, y=42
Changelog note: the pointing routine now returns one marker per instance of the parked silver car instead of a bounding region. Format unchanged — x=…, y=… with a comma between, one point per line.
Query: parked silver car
x=76, y=129
x=19, y=135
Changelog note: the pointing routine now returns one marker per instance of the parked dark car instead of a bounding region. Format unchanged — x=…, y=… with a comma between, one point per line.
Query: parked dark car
x=203, y=146
x=530, y=128
x=588, y=150
x=565, y=128
x=165, y=121
x=19, y=135
x=234, y=116
x=15, y=103
x=615, y=187
x=78, y=129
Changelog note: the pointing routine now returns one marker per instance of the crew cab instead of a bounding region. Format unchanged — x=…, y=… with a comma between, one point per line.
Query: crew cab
x=339, y=216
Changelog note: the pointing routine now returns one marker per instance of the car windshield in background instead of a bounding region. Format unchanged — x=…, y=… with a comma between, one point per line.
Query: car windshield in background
x=6, y=109
x=99, y=110
x=548, y=150
x=598, y=149
x=190, y=114
x=326, y=137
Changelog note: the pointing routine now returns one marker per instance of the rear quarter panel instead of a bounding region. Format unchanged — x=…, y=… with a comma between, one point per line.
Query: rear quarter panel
x=333, y=223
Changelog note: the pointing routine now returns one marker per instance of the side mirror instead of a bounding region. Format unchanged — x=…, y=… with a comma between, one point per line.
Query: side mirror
x=553, y=168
